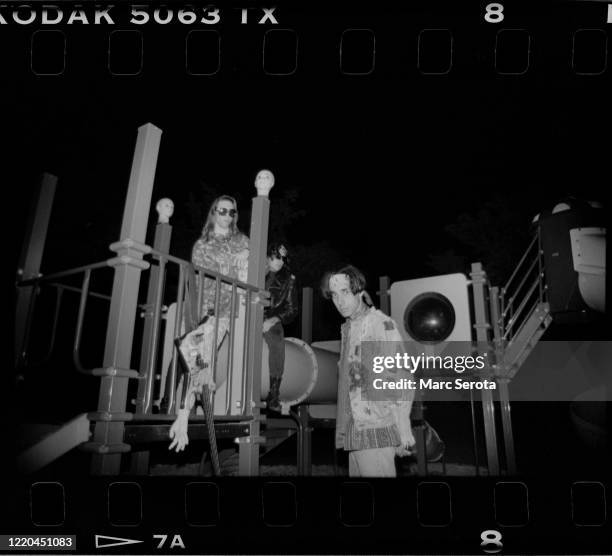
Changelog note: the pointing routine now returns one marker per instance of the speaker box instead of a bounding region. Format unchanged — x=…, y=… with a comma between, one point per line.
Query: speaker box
x=433, y=309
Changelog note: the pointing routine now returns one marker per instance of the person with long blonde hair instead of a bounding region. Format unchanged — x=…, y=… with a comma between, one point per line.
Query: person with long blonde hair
x=222, y=248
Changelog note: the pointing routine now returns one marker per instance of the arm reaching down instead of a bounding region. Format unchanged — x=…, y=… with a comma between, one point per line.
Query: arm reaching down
x=194, y=381
x=196, y=358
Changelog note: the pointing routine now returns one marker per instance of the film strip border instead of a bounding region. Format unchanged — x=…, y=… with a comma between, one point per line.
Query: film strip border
x=138, y=41
x=322, y=515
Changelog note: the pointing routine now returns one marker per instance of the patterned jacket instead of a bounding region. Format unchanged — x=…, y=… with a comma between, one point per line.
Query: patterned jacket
x=227, y=255
x=362, y=423
x=283, y=296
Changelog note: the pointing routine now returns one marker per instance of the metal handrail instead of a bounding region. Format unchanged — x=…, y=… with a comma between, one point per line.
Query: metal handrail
x=76, y=356
x=518, y=330
x=84, y=295
x=69, y=272
x=541, y=267
x=521, y=284
x=154, y=340
x=42, y=279
x=509, y=314
x=518, y=266
x=238, y=288
x=78, y=290
x=221, y=282
x=60, y=288
x=527, y=274
x=512, y=321
x=206, y=271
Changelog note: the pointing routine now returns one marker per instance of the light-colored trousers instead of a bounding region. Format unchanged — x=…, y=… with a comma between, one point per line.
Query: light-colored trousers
x=376, y=462
x=197, y=348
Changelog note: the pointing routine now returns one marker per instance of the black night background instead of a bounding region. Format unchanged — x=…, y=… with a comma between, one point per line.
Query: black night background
x=401, y=174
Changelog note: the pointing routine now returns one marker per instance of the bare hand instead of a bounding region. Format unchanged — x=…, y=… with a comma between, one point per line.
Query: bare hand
x=405, y=450
x=178, y=432
x=242, y=265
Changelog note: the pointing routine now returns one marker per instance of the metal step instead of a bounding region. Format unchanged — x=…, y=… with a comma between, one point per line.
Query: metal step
x=140, y=431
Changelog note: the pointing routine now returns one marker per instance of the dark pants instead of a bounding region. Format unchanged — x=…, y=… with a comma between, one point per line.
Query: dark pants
x=275, y=338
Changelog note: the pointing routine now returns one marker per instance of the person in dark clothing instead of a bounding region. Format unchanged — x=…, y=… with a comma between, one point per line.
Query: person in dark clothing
x=282, y=310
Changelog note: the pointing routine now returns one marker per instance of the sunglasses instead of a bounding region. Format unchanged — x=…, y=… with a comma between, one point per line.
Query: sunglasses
x=224, y=211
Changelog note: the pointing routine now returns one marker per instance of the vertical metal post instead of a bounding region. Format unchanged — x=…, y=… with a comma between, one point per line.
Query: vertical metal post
x=502, y=310
x=495, y=315
x=229, y=382
x=248, y=459
x=163, y=233
x=504, y=395
x=304, y=442
x=418, y=419
x=108, y=435
x=171, y=378
x=307, y=314
x=31, y=257
x=384, y=299
x=148, y=359
x=474, y=436
x=215, y=350
x=235, y=384
x=504, y=399
x=482, y=327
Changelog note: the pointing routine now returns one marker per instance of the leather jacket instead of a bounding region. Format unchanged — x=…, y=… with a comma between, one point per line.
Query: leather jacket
x=283, y=296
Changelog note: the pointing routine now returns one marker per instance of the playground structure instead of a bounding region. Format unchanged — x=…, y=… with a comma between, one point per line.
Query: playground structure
x=511, y=319
x=311, y=376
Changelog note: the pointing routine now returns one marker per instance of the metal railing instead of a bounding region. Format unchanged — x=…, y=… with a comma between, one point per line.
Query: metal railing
x=519, y=298
x=85, y=293
x=222, y=286
x=206, y=281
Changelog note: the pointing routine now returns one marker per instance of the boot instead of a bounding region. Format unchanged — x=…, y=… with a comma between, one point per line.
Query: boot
x=273, y=401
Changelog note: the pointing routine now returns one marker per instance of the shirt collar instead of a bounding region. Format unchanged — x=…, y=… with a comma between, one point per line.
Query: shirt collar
x=359, y=314
x=221, y=237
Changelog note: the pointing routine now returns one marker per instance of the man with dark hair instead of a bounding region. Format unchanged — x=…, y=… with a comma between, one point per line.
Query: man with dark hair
x=373, y=432
x=282, y=310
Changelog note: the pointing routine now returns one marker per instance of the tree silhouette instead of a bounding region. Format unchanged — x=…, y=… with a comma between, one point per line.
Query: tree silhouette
x=496, y=235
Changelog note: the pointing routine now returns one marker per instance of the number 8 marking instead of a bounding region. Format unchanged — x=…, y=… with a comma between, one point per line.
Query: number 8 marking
x=494, y=13
x=491, y=537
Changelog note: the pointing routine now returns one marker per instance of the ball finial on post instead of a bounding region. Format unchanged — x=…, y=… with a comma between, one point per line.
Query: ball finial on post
x=264, y=181
x=165, y=209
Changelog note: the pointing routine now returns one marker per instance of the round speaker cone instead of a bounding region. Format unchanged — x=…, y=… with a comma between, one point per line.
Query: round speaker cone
x=429, y=318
